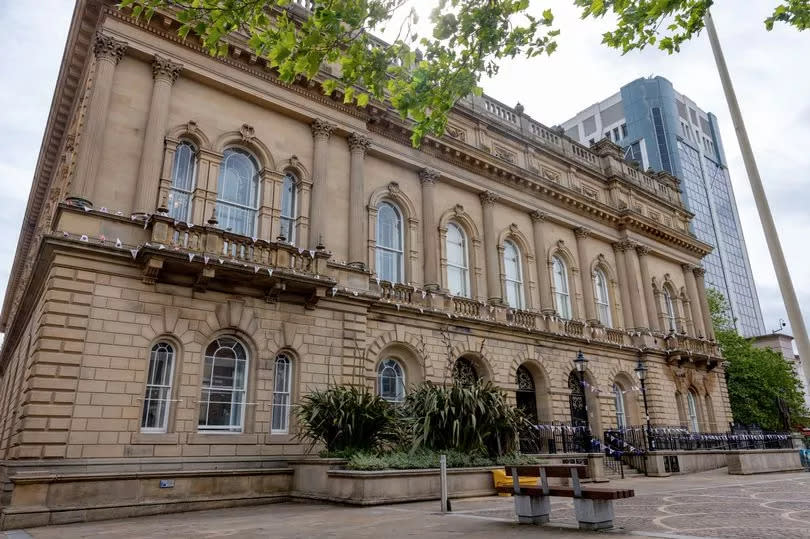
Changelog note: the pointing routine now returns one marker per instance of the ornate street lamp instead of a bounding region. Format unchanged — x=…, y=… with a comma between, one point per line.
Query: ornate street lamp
x=641, y=372
x=581, y=363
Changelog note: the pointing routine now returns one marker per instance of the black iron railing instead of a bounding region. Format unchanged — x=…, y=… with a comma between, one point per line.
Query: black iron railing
x=559, y=438
x=637, y=439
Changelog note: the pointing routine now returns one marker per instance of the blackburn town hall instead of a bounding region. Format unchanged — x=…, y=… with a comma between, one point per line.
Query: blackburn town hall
x=205, y=245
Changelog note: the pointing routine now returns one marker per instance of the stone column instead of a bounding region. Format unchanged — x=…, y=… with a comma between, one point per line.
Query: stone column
x=585, y=274
x=358, y=252
x=109, y=52
x=165, y=72
x=494, y=292
x=543, y=280
x=636, y=295
x=704, y=302
x=624, y=286
x=429, y=228
x=646, y=283
x=321, y=131
x=694, y=299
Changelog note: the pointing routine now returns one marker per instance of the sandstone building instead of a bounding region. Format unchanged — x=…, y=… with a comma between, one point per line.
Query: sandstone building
x=204, y=245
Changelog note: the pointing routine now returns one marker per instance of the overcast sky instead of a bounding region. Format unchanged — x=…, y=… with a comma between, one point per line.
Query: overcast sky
x=769, y=70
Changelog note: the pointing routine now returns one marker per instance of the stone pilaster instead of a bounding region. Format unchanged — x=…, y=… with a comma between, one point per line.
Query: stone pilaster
x=636, y=294
x=494, y=292
x=585, y=274
x=694, y=299
x=428, y=179
x=544, y=282
x=108, y=52
x=165, y=73
x=321, y=131
x=624, y=286
x=704, y=302
x=646, y=284
x=358, y=144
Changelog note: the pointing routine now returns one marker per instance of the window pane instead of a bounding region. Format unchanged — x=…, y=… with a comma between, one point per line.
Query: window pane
x=391, y=380
x=288, y=208
x=238, y=192
x=157, y=395
x=224, y=382
x=281, y=395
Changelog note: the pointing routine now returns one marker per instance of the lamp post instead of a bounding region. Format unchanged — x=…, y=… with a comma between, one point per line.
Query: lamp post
x=641, y=372
x=581, y=363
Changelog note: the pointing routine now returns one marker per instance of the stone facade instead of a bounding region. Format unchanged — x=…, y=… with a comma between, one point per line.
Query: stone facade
x=107, y=275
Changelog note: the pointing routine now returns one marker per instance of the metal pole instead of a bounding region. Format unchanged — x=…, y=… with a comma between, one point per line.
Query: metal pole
x=443, y=466
x=650, y=443
x=586, y=435
x=771, y=237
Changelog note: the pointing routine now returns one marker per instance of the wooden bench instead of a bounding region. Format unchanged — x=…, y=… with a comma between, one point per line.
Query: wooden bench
x=593, y=506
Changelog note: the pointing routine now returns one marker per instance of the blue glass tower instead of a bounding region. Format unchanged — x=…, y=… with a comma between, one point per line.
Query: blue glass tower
x=665, y=130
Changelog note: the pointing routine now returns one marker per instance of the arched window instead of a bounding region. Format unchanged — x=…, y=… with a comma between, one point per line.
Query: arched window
x=669, y=312
x=458, y=268
x=513, y=275
x=562, y=298
x=621, y=415
x=391, y=380
x=526, y=396
x=282, y=386
x=238, y=196
x=183, y=171
x=288, y=207
x=600, y=286
x=464, y=372
x=692, y=410
x=155, y=414
x=224, y=385
x=390, y=243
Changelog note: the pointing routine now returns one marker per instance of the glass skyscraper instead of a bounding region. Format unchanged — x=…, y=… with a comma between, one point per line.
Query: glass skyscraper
x=665, y=130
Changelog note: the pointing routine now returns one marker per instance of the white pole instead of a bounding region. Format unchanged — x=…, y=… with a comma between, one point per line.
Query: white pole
x=771, y=236
x=443, y=466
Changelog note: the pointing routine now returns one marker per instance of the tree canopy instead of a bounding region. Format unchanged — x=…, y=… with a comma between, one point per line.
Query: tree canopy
x=424, y=75
x=756, y=377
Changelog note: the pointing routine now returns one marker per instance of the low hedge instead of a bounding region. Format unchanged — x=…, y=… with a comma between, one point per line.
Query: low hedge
x=424, y=459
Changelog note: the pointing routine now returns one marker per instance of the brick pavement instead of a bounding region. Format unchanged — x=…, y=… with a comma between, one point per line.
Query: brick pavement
x=710, y=504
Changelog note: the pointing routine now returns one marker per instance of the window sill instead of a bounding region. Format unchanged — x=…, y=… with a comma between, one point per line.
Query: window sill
x=155, y=438
x=227, y=438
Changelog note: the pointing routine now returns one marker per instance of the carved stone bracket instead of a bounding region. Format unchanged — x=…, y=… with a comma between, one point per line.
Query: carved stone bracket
x=153, y=266
x=203, y=278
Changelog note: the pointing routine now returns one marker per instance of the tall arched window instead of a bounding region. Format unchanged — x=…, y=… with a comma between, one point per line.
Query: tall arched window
x=183, y=171
x=562, y=298
x=224, y=385
x=458, y=268
x=282, y=389
x=692, y=410
x=391, y=380
x=602, y=298
x=155, y=414
x=288, y=207
x=669, y=312
x=526, y=395
x=238, y=196
x=621, y=415
x=513, y=275
x=390, y=243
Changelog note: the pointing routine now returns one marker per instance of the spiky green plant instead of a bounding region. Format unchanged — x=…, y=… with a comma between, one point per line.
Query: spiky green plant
x=473, y=418
x=346, y=419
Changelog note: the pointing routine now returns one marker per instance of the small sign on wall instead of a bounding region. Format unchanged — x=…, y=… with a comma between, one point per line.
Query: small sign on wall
x=167, y=483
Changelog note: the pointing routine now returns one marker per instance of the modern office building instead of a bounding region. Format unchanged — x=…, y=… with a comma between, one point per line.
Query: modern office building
x=664, y=130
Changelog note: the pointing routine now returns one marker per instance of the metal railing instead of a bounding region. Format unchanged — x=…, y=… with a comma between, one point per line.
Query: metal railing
x=559, y=438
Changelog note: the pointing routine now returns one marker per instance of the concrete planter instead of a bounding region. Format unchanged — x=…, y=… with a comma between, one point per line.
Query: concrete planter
x=763, y=461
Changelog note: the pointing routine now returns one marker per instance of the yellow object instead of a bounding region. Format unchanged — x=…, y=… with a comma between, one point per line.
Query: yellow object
x=500, y=479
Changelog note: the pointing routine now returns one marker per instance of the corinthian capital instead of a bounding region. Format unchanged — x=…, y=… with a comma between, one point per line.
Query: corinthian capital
x=699, y=271
x=537, y=216
x=428, y=175
x=163, y=68
x=642, y=250
x=322, y=128
x=358, y=142
x=582, y=232
x=688, y=267
x=488, y=198
x=106, y=47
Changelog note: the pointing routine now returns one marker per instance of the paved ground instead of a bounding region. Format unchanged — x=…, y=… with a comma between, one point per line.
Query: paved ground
x=710, y=504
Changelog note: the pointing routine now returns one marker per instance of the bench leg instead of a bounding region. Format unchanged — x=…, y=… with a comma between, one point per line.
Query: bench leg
x=594, y=514
x=532, y=509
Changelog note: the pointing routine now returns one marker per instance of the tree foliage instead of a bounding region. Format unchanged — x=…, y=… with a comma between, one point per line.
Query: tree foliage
x=756, y=377
x=423, y=75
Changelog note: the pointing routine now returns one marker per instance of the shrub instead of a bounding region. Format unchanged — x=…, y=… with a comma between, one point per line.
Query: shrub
x=474, y=418
x=425, y=458
x=346, y=420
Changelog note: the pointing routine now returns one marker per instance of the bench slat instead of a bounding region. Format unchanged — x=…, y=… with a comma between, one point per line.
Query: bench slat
x=589, y=493
x=555, y=470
